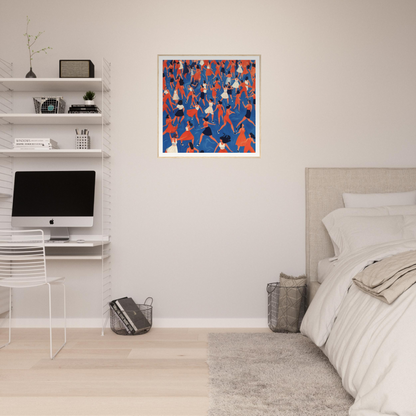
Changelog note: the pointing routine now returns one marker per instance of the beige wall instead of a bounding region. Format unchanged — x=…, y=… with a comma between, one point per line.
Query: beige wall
x=203, y=237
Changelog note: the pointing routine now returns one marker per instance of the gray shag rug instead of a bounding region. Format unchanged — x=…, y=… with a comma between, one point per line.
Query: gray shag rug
x=272, y=374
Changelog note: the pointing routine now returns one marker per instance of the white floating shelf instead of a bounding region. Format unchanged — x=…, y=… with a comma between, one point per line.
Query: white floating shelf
x=52, y=84
x=94, y=153
x=87, y=243
x=51, y=118
x=60, y=244
x=70, y=257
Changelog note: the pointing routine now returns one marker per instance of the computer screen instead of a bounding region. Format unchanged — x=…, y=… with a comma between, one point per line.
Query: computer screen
x=53, y=199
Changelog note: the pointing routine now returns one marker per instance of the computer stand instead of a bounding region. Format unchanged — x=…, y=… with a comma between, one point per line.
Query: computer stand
x=59, y=234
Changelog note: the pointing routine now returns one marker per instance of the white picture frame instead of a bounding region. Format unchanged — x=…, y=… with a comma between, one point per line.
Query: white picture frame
x=191, y=91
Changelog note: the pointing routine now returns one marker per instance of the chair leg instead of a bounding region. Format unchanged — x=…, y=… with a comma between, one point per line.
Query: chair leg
x=10, y=319
x=63, y=285
x=50, y=321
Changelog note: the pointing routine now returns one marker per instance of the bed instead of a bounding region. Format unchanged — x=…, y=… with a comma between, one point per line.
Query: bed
x=370, y=343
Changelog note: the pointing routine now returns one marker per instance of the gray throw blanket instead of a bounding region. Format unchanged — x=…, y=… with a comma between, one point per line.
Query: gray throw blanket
x=389, y=278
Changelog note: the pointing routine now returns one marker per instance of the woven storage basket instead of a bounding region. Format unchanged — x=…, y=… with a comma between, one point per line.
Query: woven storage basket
x=286, y=307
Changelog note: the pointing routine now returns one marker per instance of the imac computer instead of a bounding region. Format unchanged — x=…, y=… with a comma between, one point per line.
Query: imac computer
x=54, y=199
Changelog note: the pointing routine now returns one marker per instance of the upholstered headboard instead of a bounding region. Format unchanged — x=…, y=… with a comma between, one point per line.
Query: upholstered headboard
x=324, y=189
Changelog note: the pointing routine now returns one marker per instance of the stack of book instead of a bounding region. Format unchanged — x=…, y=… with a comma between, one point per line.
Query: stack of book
x=83, y=109
x=130, y=315
x=35, y=144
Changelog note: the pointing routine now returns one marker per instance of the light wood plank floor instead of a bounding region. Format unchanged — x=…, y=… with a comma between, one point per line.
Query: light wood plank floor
x=162, y=373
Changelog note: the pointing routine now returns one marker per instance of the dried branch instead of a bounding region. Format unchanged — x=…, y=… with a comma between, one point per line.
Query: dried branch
x=31, y=41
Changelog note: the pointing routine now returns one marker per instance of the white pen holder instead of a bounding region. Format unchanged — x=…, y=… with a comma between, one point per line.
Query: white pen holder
x=82, y=141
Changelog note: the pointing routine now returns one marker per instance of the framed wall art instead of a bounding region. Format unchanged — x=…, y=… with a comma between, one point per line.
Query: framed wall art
x=209, y=106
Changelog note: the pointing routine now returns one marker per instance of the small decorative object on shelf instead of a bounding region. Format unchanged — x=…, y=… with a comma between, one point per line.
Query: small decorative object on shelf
x=34, y=144
x=30, y=74
x=49, y=105
x=286, y=303
x=83, y=109
x=129, y=318
x=89, y=98
x=72, y=68
x=30, y=42
x=82, y=141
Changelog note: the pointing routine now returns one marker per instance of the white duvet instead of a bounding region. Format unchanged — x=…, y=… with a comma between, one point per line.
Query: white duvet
x=370, y=343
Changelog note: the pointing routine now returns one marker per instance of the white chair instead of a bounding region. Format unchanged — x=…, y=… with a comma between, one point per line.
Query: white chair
x=23, y=265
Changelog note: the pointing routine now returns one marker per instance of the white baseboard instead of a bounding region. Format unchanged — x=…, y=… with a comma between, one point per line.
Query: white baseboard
x=157, y=323
x=210, y=323
x=56, y=323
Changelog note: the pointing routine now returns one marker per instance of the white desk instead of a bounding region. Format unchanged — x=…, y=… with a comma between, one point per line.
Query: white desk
x=72, y=250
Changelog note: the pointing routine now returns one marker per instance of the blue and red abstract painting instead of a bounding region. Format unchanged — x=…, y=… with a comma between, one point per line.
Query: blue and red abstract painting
x=209, y=106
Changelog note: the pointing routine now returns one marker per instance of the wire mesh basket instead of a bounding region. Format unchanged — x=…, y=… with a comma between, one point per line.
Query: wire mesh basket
x=116, y=323
x=49, y=105
x=286, y=307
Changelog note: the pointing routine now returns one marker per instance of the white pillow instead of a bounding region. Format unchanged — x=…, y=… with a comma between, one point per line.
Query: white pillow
x=333, y=218
x=379, y=200
x=352, y=233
